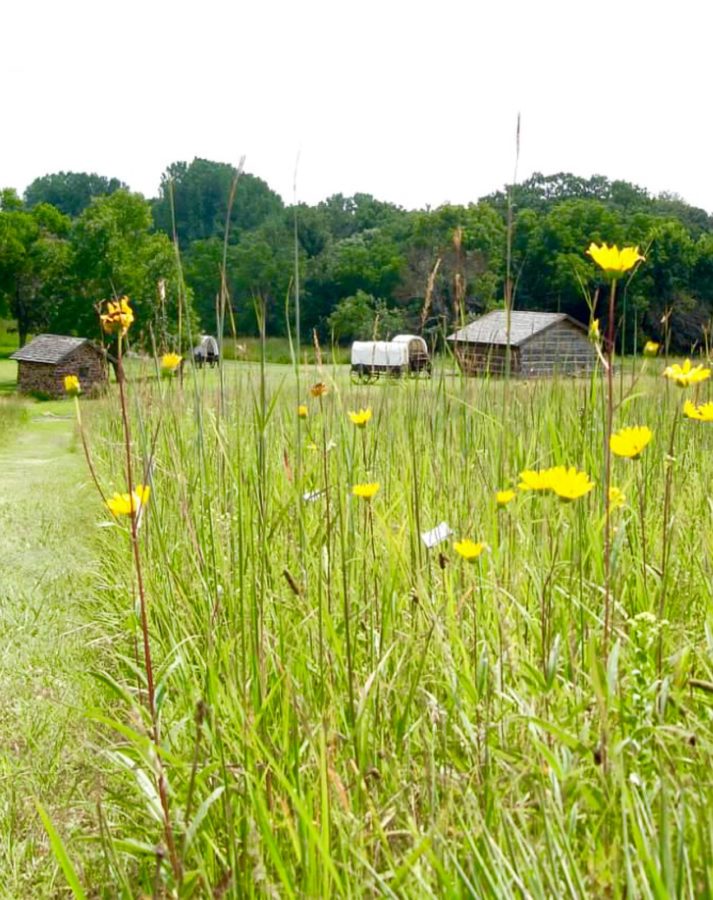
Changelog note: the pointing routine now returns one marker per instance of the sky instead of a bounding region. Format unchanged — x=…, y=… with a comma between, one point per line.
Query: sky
x=415, y=103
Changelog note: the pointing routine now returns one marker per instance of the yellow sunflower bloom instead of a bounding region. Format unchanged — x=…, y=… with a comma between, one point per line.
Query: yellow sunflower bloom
x=360, y=418
x=613, y=260
x=703, y=413
x=170, y=362
x=468, y=549
x=71, y=386
x=687, y=374
x=534, y=480
x=651, y=348
x=630, y=442
x=117, y=316
x=568, y=483
x=129, y=504
x=502, y=498
x=365, y=491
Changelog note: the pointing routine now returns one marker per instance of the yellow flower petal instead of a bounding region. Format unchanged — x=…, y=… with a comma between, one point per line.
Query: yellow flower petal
x=360, y=418
x=568, y=483
x=117, y=316
x=502, y=498
x=170, y=362
x=365, y=491
x=71, y=386
x=687, y=374
x=703, y=413
x=630, y=442
x=613, y=260
x=468, y=550
x=129, y=504
x=533, y=480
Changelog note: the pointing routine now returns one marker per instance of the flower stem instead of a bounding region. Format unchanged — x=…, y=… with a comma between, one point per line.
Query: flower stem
x=607, y=471
x=148, y=664
x=665, y=537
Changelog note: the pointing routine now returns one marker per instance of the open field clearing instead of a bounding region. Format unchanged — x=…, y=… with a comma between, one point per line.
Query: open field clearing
x=48, y=631
x=345, y=712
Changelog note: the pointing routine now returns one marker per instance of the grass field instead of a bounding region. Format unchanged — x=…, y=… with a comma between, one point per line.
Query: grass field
x=344, y=712
x=318, y=704
x=47, y=750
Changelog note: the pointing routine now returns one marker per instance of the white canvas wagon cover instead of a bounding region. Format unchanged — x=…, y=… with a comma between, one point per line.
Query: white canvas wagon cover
x=208, y=346
x=379, y=353
x=413, y=341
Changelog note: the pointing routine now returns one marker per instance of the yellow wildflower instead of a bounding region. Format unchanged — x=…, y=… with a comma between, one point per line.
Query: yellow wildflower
x=129, y=504
x=686, y=374
x=302, y=411
x=170, y=362
x=71, y=386
x=468, y=549
x=360, y=418
x=532, y=480
x=651, y=348
x=703, y=413
x=595, y=334
x=616, y=498
x=568, y=483
x=319, y=389
x=118, y=316
x=613, y=260
x=630, y=442
x=365, y=491
x=502, y=498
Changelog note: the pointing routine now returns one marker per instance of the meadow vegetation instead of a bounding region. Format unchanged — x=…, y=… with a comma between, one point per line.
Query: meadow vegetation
x=342, y=711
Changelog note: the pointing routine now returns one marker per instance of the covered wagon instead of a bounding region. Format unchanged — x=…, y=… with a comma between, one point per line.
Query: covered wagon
x=405, y=354
x=206, y=351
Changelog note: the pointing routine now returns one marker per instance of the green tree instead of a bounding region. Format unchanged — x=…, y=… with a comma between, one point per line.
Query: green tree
x=200, y=193
x=115, y=253
x=35, y=266
x=364, y=317
x=202, y=267
x=70, y=192
x=9, y=200
x=260, y=271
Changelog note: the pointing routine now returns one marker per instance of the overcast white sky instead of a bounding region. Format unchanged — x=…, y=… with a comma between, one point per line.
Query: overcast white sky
x=413, y=102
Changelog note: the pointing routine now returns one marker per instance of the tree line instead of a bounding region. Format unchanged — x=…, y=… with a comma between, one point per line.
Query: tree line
x=365, y=267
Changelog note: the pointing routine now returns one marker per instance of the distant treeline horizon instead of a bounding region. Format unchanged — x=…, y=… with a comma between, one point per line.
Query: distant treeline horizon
x=365, y=266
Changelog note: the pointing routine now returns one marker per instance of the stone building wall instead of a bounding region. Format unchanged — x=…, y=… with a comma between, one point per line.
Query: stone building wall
x=44, y=378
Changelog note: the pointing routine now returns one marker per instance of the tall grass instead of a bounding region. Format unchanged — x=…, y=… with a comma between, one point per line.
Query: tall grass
x=345, y=712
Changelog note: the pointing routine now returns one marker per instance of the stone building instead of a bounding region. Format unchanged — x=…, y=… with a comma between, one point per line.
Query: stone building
x=540, y=344
x=43, y=363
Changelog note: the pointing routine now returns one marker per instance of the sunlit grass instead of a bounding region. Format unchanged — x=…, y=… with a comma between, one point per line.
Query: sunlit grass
x=346, y=712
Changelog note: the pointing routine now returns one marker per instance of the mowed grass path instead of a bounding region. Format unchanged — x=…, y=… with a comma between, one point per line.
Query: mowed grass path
x=46, y=646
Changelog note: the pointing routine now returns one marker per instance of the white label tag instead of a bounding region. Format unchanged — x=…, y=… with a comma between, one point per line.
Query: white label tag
x=436, y=535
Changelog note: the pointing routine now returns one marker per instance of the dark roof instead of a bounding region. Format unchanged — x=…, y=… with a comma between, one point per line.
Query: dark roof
x=492, y=327
x=49, y=348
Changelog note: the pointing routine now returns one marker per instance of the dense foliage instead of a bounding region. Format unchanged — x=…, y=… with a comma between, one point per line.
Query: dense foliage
x=365, y=266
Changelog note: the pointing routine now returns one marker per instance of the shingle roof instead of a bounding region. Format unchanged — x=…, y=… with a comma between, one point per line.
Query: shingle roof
x=48, y=348
x=492, y=327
